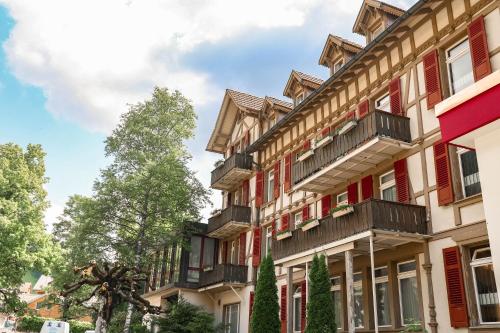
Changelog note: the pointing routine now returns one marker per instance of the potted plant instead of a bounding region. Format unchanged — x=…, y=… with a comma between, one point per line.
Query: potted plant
x=282, y=234
x=218, y=163
x=349, y=123
x=306, y=152
x=342, y=210
x=308, y=224
x=414, y=326
x=325, y=137
x=215, y=212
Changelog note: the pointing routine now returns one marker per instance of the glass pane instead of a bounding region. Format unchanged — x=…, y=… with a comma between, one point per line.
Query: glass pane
x=296, y=313
x=383, y=307
x=208, y=253
x=407, y=267
x=380, y=272
x=459, y=48
x=337, y=304
x=389, y=194
x=461, y=72
x=386, y=178
x=193, y=275
x=234, y=318
x=470, y=171
x=358, y=306
x=383, y=104
x=487, y=294
x=409, y=300
x=195, y=253
x=342, y=198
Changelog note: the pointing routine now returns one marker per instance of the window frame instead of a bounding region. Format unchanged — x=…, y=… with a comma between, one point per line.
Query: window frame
x=460, y=152
x=354, y=285
x=387, y=185
x=343, y=202
x=297, y=294
x=295, y=214
x=401, y=276
x=386, y=107
x=338, y=287
x=449, y=61
x=225, y=317
x=269, y=238
x=270, y=188
x=341, y=62
x=380, y=280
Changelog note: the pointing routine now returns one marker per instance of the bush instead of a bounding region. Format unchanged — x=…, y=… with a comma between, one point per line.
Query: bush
x=76, y=326
x=184, y=317
x=35, y=323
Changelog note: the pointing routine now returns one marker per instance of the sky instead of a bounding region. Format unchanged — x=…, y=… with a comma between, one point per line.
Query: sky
x=69, y=68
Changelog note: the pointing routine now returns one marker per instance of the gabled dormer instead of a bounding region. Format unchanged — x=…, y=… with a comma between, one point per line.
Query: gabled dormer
x=273, y=110
x=374, y=17
x=300, y=85
x=337, y=52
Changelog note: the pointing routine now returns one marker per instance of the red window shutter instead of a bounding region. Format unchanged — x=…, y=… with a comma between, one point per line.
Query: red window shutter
x=363, y=109
x=259, y=188
x=326, y=204
x=307, y=145
x=250, y=305
x=273, y=229
x=246, y=139
x=455, y=285
x=352, y=193
x=224, y=252
x=479, y=48
x=305, y=213
x=256, y=248
x=402, y=183
x=351, y=115
x=443, y=174
x=432, y=79
x=246, y=192
x=243, y=245
x=303, y=305
x=277, y=178
x=367, y=187
x=287, y=184
x=325, y=131
x=283, y=308
x=395, y=96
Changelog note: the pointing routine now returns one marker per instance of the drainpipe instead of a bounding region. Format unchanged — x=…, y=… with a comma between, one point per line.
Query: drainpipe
x=430, y=289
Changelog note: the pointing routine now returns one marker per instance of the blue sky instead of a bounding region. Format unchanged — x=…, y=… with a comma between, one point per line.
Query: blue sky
x=65, y=79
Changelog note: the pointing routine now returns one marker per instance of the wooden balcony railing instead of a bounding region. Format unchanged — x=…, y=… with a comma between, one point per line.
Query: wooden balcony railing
x=237, y=216
x=237, y=166
x=367, y=215
x=376, y=123
x=224, y=273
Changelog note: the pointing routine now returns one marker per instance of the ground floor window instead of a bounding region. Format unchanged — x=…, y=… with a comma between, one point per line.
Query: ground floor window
x=336, y=289
x=231, y=318
x=408, y=292
x=359, y=311
x=382, y=292
x=485, y=286
x=297, y=310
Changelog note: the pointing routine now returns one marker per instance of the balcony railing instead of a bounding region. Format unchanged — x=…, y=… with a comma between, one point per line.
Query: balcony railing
x=235, y=169
x=371, y=214
x=224, y=273
x=229, y=222
x=378, y=135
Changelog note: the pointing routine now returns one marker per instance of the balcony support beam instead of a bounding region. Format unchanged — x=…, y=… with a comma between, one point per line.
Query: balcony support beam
x=289, y=301
x=374, y=291
x=349, y=273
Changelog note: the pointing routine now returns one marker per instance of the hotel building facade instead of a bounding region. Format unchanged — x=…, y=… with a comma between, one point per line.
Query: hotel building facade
x=388, y=168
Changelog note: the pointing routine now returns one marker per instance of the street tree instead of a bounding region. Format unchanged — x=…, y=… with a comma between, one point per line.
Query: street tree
x=265, y=312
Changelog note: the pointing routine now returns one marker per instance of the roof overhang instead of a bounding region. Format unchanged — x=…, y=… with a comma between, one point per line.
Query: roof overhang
x=378, y=5
x=333, y=41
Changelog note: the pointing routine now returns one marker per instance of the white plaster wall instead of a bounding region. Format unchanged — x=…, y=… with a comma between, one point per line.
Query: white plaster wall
x=431, y=171
x=492, y=22
x=412, y=114
x=458, y=7
x=229, y=297
x=472, y=213
x=429, y=118
x=442, y=216
x=420, y=77
x=415, y=172
x=198, y=299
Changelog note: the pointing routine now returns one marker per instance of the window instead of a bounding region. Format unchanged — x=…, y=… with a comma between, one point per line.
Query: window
x=297, y=310
x=388, y=186
x=469, y=171
x=408, y=292
x=336, y=289
x=338, y=65
x=342, y=199
x=485, y=286
x=359, y=311
x=208, y=254
x=269, y=239
x=194, y=259
x=382, y=291
x=459, y=66
x=234, y=252
x=312, y=211
x=270, y=185
x=299, y=99
x=231, y=318
x=177, y=263
x=377, y=31
x=383, y=103
x=297, y=217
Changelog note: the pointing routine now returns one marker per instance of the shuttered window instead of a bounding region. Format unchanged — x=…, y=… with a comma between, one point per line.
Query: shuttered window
x=363, y=109
x=277, y=178
x=243, y=248
x=305, y=213
x=259, y=188
x=443, y=174
x=432, y=79
x=287, y=184
x=455, y=287
x=479, y=48
x=273, y=228
x=402, y=182
x=367, y=187
x=283, y=308
x=395, y=96
x=256, y=248
x=285, y=221
x=352, y=193
x=326, y=204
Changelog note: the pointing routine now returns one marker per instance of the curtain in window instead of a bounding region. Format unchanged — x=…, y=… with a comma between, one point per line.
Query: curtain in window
x=487, y=293
x=383, y=309
x=409, y=299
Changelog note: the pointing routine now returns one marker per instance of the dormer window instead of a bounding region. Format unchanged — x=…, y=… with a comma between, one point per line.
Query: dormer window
x=300, y=85
x=337, y=52
x=377, y=31
x=299, y=99
x=338, y=65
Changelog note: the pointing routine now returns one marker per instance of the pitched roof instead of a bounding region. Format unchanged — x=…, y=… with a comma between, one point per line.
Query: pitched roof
x=244, y=100
x=341, y=42
x=303, y=79
x=383, y=6
x=278, y=102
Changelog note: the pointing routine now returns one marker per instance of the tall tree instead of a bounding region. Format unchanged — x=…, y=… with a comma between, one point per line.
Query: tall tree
x=265, y=312
x=320, y=310
x=24, y=244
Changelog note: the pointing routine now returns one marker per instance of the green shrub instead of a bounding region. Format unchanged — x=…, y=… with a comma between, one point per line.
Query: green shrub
x=35, y=323
x=76, y=326
x=265, y=312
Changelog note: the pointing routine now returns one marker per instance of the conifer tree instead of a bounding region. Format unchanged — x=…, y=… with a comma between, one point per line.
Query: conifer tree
x=320, y=309
x=265, y=313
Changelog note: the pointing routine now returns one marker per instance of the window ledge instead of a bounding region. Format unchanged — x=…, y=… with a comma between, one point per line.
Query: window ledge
x=469, y=200
x=484, y=327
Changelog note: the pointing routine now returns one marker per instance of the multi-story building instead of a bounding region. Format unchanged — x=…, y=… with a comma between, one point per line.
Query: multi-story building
x=388, y=168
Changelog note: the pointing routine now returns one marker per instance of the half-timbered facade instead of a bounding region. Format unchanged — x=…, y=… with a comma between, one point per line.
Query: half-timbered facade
x=380, y=168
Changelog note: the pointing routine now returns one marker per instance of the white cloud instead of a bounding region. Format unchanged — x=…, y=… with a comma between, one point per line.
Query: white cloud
x=93, y=57
x=51, y=215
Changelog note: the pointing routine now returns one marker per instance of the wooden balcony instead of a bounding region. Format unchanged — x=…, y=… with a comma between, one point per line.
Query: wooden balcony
x=394, y=219
x=224, y=275
x=377, y=137
x=235, y=169
x=231, y=221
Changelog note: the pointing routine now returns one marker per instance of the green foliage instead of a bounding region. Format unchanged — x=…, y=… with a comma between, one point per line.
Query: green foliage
x=320, y=309
x=24, y=244
x=414, y=326
x=183, y=317
x=117, y=321
x=35, y=323
x=76, y=326
x=265, y=312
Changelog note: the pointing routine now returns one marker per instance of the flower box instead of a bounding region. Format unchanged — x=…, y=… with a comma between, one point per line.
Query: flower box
x=309, y=224
x=349, y=125
x=342, y=210
x=305, y=155
x=283, y=234
x=324, y=140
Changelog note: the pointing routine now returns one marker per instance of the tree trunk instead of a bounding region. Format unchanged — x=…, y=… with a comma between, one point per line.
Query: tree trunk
x=130, y=307
x=128, y=318
x=101, y=326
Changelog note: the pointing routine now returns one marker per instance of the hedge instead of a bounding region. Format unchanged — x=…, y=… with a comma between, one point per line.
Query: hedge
x=35, y=323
